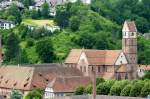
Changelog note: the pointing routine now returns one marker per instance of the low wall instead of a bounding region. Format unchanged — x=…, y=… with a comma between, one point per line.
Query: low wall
x=97, y=97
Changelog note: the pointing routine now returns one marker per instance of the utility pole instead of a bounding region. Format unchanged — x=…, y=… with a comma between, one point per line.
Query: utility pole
x=94, y=81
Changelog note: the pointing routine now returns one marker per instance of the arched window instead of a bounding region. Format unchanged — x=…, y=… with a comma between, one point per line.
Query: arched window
x=132, y=34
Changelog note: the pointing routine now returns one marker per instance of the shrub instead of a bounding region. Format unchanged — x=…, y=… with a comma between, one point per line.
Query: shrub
x=89, y=89
x=117, y=87
x=30, y=42
x=80, y=90
x=74, y=23
x=126, y=90
x=147, y=75
x=136, y=89
x=99, y=80
x=145, y=90
x=35, y=94
x=45, y=50
x=16, y=95
x=104, y=88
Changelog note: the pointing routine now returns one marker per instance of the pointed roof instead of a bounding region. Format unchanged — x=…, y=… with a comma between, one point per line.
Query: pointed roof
x=73, y=56
x=129, y=26
x=122, y=69
x=94, y=57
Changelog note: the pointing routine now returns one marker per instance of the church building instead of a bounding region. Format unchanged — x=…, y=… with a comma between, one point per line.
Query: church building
x=109, y=64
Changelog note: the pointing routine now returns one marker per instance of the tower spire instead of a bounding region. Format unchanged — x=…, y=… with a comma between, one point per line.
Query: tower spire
x=129, y=47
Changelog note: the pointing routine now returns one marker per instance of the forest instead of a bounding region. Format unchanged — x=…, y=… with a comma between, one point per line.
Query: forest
x=94, y=26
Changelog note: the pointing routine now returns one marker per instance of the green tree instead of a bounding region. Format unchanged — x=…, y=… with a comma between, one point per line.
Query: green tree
x=62, y=16
x=126, y=90
x=136, y=89
x=16, y=95
x=147, y=75
x=89, y=89
x=35, y=94
x=27, y=3
x=14, y=11
x=104, y=88
x=74, y=23
x=80, y=90
x=22, y=57
x=117, y=87
x=45, y=50
x=142, y=24
x=86, y=40
x=30, y=42
x=99, y=80
x=35, y=14
x=12, y=47
x=104, y=40
x=45, y=10
x=145, y=90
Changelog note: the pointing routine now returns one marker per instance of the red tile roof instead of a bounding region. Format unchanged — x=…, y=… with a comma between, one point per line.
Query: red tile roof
x=94, y=57
x=68, y=84
x=131, y=26
x=144, y=67
x=122, y=69
x=26, y=78
x=73, y=56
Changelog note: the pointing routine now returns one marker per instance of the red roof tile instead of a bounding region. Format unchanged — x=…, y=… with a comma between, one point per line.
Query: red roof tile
x=144, y=67
x=26, y=78
x=68, y=84
x=131, y=26
x=94, y=57
x=73, y=56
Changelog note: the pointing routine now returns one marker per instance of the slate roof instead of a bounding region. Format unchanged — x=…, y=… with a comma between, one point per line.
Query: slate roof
x=5, y=21
x=27, y=78
x=94, y=57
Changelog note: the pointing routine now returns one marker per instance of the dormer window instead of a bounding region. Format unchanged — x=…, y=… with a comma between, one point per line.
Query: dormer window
x=15, y=84
x=34, y=86
x=25, y=84
x=47, y=80
x=28, y=79
x=40, y=74
x=1, y=77
x=6, y=81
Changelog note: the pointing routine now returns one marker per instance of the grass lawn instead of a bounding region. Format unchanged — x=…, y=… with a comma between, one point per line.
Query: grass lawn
x=33, y=22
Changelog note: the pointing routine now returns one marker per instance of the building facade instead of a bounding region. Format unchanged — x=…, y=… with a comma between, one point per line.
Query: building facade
x=63, y=86
x=4, y=24
x=129, y=47
x=26, y=78
x=109, y=64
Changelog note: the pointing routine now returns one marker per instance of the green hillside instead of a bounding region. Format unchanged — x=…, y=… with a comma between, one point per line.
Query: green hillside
x=95, y=26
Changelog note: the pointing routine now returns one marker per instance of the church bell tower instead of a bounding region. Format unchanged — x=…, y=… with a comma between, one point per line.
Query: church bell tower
x=129, y=47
